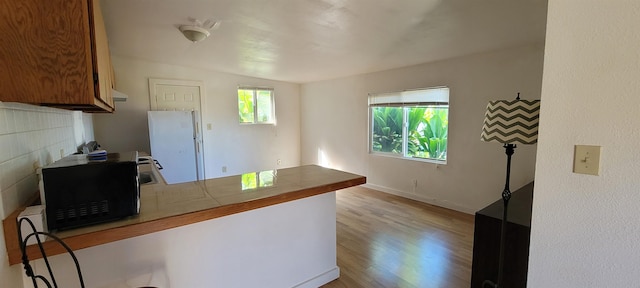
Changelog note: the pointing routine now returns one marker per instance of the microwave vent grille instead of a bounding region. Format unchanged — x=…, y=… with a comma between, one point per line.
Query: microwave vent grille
x=82, y=211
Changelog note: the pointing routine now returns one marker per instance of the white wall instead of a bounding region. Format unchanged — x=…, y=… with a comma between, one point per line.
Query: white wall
x=242, y=148
x=31, y=136
x=334, y=127
x=585, y=229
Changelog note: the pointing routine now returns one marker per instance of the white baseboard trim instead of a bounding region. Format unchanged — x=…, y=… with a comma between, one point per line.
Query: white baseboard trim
x=321, y=279
x=435, y=202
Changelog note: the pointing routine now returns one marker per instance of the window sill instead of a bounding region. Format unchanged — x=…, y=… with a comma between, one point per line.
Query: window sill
x=248, y=124
x=426, y=160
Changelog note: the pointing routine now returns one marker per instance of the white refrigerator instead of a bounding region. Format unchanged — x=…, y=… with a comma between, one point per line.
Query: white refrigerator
x=174, y=143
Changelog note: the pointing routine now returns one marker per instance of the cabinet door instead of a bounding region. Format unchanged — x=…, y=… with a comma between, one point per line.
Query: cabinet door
x=102, y=57
x=47, y=54
x=43, y=53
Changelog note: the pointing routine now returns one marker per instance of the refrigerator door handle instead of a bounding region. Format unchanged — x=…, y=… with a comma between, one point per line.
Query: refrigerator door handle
x=158, y=164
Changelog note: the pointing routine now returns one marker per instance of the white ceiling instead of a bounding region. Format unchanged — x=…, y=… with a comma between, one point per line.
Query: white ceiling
x=309, y=40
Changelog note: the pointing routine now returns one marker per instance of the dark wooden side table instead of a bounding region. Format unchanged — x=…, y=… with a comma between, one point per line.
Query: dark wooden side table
x=486, y=241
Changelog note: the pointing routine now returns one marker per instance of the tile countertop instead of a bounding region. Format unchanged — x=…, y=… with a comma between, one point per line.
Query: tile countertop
x=168, y=206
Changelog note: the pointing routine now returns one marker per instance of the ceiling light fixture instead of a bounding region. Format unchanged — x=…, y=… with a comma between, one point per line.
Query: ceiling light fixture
x=194, y=33
x=198, y=31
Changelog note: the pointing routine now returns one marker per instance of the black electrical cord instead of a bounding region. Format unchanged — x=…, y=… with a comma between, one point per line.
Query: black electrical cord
x=25, y=259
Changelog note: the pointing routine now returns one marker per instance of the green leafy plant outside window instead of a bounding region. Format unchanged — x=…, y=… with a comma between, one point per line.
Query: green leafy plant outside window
x=256, y=105
x=428, y=132
x=414, y=132
x=245, y=105
x=387, y=129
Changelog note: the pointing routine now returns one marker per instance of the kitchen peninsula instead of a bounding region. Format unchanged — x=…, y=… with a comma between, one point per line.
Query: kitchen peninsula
x=264, y=229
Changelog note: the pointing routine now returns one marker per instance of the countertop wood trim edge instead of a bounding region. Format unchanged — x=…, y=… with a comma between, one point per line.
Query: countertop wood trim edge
x=119, y=233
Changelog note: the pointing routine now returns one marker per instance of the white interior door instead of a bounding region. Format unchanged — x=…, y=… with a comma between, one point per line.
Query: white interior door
x=177, y=97
x=181, y=95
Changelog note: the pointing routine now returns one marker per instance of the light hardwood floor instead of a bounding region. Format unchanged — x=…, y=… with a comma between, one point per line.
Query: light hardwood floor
x=390, y=241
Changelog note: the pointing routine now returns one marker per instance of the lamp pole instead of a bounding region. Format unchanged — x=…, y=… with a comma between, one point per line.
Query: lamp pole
x=506, y=195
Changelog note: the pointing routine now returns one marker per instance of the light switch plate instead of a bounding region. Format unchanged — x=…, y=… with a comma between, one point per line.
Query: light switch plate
x=586, y=160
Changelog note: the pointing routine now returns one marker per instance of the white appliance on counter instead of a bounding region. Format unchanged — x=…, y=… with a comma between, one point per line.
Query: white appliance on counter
x=175, y=144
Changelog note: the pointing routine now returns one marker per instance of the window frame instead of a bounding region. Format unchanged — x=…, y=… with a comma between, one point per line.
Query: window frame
x=396, y=99
x=272, y=102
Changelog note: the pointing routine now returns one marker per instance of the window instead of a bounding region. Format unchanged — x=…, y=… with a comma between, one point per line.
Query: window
x=410, y=124
x=256, y=105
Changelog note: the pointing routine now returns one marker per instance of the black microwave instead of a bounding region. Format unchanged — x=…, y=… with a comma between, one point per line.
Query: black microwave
x=80, y=191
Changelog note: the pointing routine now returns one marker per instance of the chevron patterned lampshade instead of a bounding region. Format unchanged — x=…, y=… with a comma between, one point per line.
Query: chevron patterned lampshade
x=511, y=121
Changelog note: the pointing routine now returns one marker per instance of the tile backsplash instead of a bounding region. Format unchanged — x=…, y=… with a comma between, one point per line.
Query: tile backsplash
x=33, y=136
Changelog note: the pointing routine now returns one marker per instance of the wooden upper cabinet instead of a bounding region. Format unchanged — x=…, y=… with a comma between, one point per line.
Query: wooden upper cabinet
x=55, y=53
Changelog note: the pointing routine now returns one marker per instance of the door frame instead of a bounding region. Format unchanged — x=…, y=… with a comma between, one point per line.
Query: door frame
x=198, y=115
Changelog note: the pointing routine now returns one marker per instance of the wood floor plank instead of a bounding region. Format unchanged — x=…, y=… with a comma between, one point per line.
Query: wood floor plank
x=389, y=241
